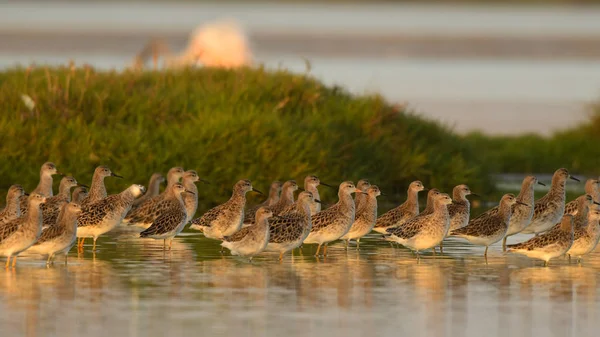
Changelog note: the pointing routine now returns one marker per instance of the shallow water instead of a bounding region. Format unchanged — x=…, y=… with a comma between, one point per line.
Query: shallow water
x=130, y=287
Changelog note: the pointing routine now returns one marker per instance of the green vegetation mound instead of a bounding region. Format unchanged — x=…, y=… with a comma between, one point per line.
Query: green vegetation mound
x=226, y=124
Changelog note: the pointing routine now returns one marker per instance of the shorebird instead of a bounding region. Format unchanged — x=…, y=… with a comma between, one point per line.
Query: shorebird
x=591, y=188
x=79, y=193
x=97, y=190
x=365, y=217
x=459, y=210
x=430, y=205
x=174, y=175
x=287, y=196
x=59, y=238
x=273, y=198
x=362, y=185
x=548, y=210
x=521, y=214
x=190, y=200
x=251, y=240
x=491, y=227
x=335, y=221
x=310, y=184
x=399, y=215
x=174, y=214
x=425, y=230
x=104, y=215
x=44, y=187
x=553, y=243
x=13, y=208
x=19, y=234
x=145, y=214
x=153, y=189
x=290, y=230
x=227, y=218
x=53, y=205
x=586, y=234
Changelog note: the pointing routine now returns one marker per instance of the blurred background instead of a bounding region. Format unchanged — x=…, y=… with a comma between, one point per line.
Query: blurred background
x=502, y=67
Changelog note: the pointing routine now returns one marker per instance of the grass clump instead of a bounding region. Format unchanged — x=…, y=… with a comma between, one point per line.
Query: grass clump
x=575, y=148
x=226, y=124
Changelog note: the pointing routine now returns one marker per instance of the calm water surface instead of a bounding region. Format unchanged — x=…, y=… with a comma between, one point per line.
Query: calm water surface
x=132, y=288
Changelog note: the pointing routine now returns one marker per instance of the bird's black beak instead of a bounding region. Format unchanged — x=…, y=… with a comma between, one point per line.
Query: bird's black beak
x=26, y=194
x=476, y=195
x=324, y=184
x=82, y=185
x=205, y=181
x=60, y=173
x=115, y=175
x=574, y=178
x=541, y=183
x=301, y=189
x=190, y=192
x=522, y=203
x=597, y=203
x=424, y=190
x=257, y=191
x=317, y=200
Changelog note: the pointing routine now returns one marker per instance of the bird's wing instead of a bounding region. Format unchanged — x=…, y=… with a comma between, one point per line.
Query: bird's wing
x=9, y=228
x=207, y=218
x=172, y=216
x=286, y=228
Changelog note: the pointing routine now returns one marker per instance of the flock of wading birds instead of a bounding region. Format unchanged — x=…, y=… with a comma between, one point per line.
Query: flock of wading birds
x=46, y=224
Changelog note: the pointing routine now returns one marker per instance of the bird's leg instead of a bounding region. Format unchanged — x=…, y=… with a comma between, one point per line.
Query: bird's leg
x=94, y=246
x=7, y=262
x=14, y=263
x=170, y=243
x=442, y=247
x=545, y=263
x=433, y=249
x=318, y=250
x=347, y=243
x=66, y=257
x=325, y=249
x=165, y=244
x=504, y=244
x=485, y=253
x=281, y=256
x=48, y=261
x=357, y=244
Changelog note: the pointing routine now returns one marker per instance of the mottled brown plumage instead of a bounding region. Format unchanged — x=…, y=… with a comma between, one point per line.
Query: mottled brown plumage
x=365, y=217
x=13, y=208
x=273, y=198
x=490, y=228
x=553, y=243
x=97, y=190
x=397, y=216
x=549, y=209
x=290, y=230
x=44, y=187
x=227, y=218
x=173, y=216
x=424, y=231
